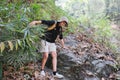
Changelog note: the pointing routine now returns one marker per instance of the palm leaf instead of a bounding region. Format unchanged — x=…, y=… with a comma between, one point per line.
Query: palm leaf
x=19, y=43
x=16, y=45
x=2, y=46
x=10, y=45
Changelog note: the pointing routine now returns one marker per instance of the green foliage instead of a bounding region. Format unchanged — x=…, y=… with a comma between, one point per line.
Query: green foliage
x=16, y=38
x=92, y=14
x=103, y=28
x=19, y=58
x=14, y=17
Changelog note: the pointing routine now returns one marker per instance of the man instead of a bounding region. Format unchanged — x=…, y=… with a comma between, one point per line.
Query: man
x=48, y=42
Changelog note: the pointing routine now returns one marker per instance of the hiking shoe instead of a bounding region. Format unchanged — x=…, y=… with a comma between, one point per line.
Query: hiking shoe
x=58, y=75
x=42, y=73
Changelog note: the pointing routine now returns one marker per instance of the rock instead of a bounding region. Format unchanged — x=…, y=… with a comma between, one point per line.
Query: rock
x=89, y=73
x=91, y=78
x=88, y=66
x=103, y=67
x=36, y=74
x=26, y=76
x=112, y=76
x=118, y=75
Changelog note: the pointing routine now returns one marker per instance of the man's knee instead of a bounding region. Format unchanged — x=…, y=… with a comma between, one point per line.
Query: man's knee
x=54, y=54
x=45, y=56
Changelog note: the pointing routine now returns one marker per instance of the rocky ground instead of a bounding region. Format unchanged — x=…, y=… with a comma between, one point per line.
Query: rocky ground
x=84, y=60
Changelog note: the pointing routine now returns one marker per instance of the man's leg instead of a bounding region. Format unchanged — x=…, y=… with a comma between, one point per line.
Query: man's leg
x=44, y=60
x=52, y=49
x=54, y=63
x=54, y=60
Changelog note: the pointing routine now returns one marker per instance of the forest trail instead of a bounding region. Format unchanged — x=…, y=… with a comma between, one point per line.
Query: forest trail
x=84, y=57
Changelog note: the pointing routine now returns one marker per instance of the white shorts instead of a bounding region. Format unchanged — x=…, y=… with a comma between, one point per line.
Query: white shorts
x=47, y=46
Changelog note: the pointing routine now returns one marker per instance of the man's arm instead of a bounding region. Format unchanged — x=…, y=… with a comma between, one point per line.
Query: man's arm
x=62, y=43
x=61, y=38
x=46, y=22
x=35, y=23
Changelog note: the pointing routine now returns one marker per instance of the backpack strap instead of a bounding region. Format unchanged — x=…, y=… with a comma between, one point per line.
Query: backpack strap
x=52, y=27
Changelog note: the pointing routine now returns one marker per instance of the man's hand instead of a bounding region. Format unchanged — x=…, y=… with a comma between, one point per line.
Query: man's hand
x=33, y=23
x=62, y=44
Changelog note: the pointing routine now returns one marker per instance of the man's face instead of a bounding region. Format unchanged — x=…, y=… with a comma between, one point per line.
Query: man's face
x=63, y=23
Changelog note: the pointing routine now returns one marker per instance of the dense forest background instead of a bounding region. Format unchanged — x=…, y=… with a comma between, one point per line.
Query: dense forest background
x=98, y=19
x=102, y=15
